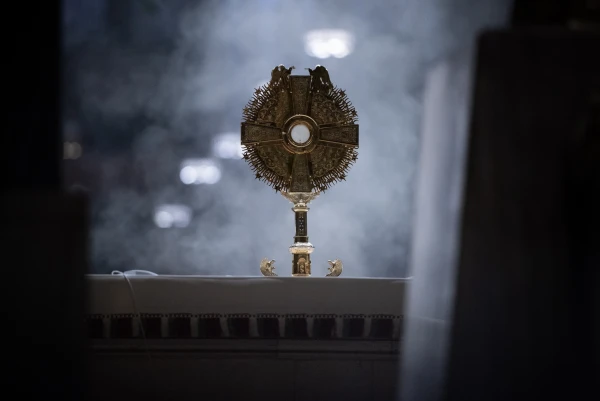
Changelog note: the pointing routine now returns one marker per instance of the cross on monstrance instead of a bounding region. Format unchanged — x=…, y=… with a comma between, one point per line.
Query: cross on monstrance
x=300, y=136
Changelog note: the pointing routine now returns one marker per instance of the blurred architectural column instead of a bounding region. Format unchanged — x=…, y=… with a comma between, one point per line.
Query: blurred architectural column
x=43, y=231
x=503, y=304
x=524, y=318
x=437, y=226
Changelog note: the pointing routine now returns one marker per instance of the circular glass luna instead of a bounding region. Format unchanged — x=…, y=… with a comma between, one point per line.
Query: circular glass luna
x=300, y=133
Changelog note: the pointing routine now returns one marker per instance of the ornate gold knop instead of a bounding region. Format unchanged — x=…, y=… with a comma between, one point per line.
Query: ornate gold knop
x=300, y=197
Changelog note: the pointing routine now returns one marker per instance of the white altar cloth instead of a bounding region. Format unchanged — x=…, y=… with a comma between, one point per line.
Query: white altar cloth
x=201, y=295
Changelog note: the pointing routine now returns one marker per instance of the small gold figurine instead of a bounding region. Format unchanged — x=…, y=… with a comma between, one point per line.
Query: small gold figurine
x=267, y=266
x=300, y=136
x=335, y=268
x=280, y=75
x=320, y=79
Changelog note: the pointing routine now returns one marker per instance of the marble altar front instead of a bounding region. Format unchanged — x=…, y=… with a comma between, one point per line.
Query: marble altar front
x=281, y=337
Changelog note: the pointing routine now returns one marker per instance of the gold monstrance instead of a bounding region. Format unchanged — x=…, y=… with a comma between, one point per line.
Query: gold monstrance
x=300, y=136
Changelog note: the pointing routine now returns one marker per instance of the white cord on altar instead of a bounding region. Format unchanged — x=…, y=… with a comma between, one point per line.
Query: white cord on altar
x=135, y=308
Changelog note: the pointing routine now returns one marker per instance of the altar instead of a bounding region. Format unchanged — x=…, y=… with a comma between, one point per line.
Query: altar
x=336, y=335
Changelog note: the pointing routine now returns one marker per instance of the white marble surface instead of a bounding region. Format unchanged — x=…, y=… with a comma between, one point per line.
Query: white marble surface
x=111, y=294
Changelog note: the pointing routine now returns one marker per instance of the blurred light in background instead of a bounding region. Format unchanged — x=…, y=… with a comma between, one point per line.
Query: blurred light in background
x=71, y=150
x=325, y=43
x=199, y=171
x=172, y=215
x=228, y=146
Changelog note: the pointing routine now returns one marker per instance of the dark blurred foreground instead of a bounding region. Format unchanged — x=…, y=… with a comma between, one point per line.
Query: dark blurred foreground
x=506, y=311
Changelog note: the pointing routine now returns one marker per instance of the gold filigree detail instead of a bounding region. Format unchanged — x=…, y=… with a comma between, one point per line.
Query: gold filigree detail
x=271, y=164
x=253, y=133
x=343, y=104
x=323, y=110
x=300, y=90
x=276, y=158
x=303, y=266
x=344, y=134
x=331, y=165
x=326, y=159
x=333, y=109
x=331, y=148
x=283, y=109
x=262, y=100
x=300, y=175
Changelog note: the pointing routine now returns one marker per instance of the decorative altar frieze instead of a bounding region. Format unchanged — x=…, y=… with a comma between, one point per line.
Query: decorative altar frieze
x=176, y=307
x=193, y=334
